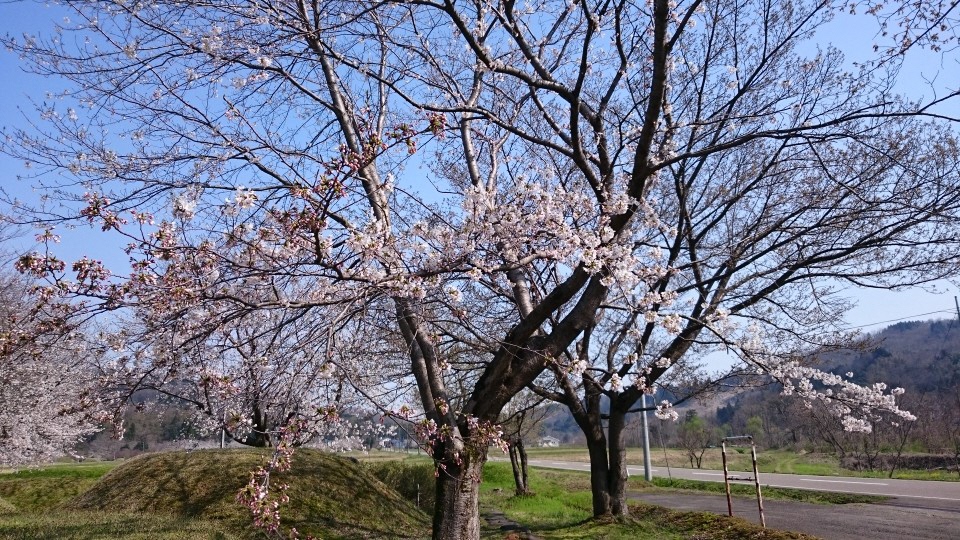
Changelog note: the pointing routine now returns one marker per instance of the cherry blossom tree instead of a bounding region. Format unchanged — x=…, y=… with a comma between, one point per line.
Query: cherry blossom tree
x=480, y=181
x=250, y=378
x=45, y=387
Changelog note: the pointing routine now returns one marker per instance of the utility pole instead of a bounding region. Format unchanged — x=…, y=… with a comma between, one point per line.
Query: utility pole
x=958, y=307
x=647, y=471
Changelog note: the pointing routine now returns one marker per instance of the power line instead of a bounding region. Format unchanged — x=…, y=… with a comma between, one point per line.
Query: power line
x=901, y=319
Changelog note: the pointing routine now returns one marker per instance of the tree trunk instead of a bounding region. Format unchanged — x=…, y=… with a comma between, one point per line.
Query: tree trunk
x=518, y=461
x=522, y=450
x=456, y=511
x=617, y=475
x=599, y=475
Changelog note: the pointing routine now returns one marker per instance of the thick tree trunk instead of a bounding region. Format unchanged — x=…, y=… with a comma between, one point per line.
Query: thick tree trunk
x=599, y=475
x=608, y=465
x=617, y=475
x=258, y=436
x=456, y=512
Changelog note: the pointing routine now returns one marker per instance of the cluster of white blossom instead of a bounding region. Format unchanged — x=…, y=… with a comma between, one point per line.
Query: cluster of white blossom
x=42, y=397
x=342, y=435
x=665, y=411
x=856, y=405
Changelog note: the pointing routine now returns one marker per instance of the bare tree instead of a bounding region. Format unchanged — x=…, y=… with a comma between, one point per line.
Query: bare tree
x=523, y=417
x=694, y=436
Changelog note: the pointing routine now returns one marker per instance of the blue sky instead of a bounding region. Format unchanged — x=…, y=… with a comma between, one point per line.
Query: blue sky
x=875, y=309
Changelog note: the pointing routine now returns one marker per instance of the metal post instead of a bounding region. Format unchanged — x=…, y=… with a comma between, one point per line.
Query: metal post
x=756, y=479
x=726, y=476
x=223, y=430
x=665, y=458
x=756, y=474
x=647, y=469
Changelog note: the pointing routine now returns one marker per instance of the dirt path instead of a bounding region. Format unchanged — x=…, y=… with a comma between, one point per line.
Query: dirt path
x=912, y=519
x=497, y=521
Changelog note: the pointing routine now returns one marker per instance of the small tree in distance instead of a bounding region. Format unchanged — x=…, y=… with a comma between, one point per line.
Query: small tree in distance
x=523, y=418
x=695, y=437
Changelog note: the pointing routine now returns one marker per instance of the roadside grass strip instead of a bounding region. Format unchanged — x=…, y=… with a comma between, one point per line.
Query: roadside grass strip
x=789, y=494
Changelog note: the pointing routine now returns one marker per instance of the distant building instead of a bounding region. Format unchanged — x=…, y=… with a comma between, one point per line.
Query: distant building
x=549, y=442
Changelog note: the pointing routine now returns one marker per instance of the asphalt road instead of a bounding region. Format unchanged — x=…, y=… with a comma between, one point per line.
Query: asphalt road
x=948, y=492
x=892, y=520
x=918, y=510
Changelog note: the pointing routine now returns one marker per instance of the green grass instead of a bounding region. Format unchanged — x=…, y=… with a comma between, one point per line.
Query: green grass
x=559, y=496
x=7, y=508
x=413, y=478
x=90, y=526
x=745, y=490
x=770, y=461
x=192, y=495
x=31, y=490
x=88, y=469
x=561, y=509
x=907, y=474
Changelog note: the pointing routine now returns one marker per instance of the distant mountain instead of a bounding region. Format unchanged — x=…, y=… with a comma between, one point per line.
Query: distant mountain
x=920, y=356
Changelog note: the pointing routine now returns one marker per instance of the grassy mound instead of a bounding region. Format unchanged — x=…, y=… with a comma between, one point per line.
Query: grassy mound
x=6, y=508
x=329, y=496
x=37, y=490
x=414, y=480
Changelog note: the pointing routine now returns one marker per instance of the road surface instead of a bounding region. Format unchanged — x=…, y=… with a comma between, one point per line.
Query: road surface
x=895, y=519
x=948, y=492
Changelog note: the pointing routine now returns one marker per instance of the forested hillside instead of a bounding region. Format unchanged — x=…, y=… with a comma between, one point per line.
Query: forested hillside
x=923, y=357
x=920, y=356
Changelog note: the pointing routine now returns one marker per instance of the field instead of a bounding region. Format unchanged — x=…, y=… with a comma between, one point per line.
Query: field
x=191, y=496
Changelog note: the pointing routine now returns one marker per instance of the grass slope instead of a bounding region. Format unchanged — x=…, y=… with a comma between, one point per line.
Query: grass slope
x=192, y=495
x=31, y=490
x=6, y=508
